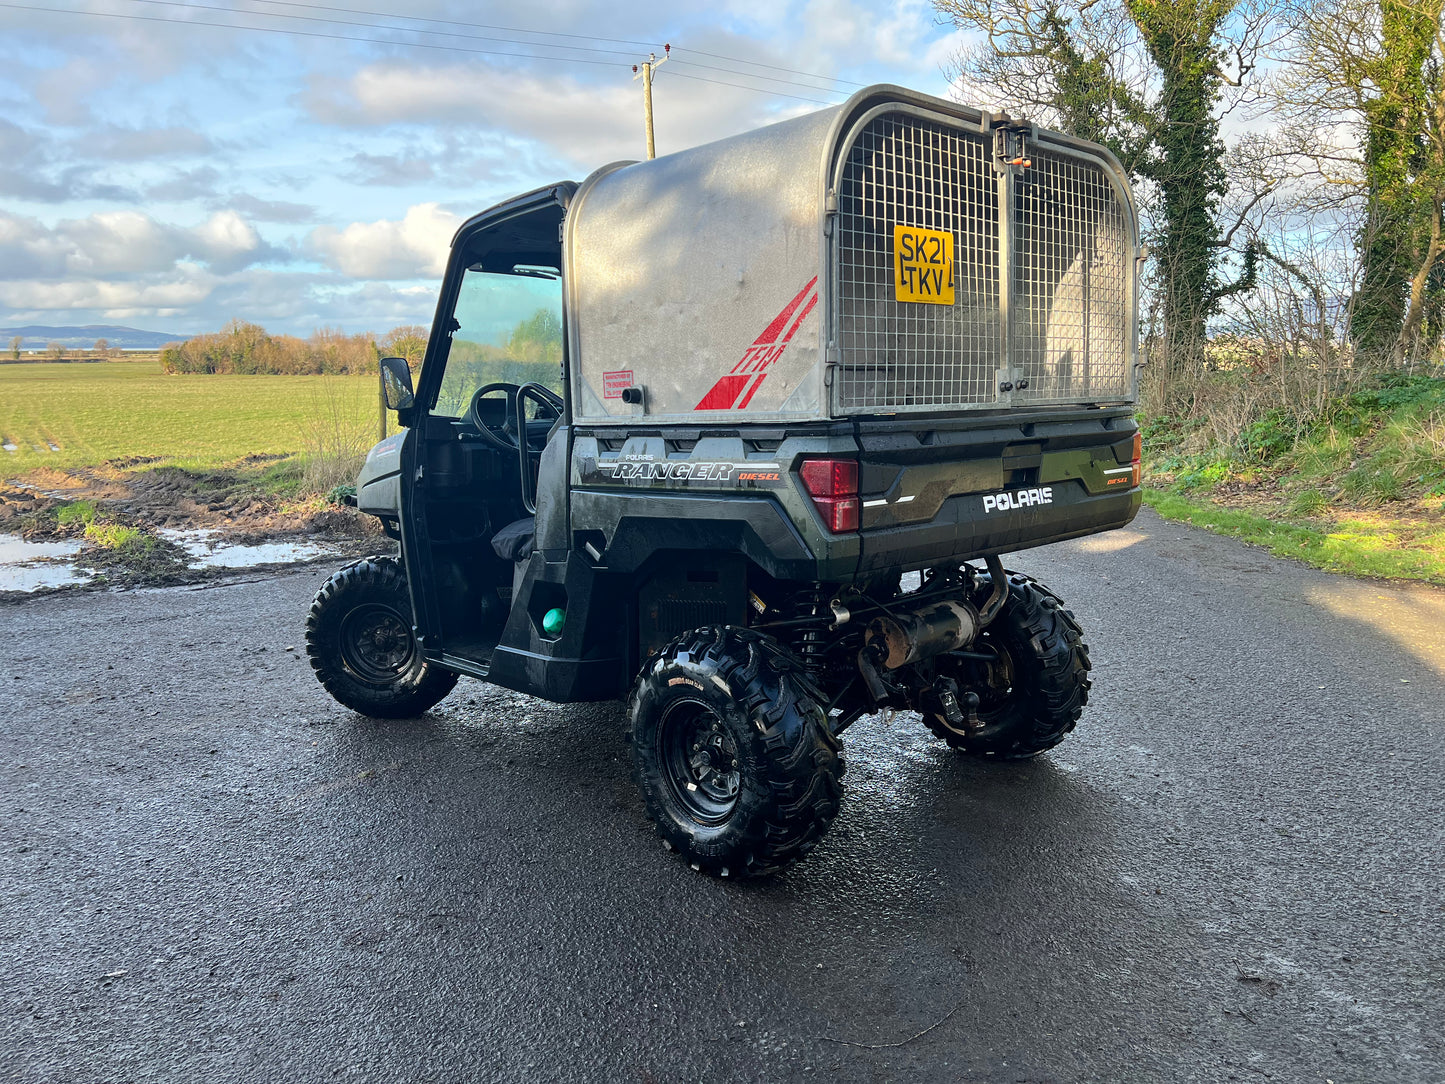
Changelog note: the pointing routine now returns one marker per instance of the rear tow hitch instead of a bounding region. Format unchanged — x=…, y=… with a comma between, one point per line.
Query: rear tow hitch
x=960, y=710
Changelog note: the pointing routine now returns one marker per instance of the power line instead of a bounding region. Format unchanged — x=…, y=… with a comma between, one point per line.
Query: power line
x=187, y=5
x=295, y=33
x=774, y=67
x=753, y=75
x=532, y=33
x=760, y=90
x=291, y=32
x=456, y=22
x=559, y=34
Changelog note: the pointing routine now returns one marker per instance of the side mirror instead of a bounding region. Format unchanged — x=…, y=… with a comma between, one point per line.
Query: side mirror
x=396, y=384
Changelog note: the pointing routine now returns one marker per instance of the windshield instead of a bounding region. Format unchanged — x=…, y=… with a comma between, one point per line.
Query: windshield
x=511, y=331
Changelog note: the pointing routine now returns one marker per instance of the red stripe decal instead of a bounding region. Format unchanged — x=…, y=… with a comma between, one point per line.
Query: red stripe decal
x=773, y=330
x=801, y=317
x=758, y=358
x=724, y=393
x=748, y=398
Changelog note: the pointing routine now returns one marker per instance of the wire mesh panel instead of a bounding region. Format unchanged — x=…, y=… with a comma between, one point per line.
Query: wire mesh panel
x=1070, y=245
x=1071, y=274
x=904, y=171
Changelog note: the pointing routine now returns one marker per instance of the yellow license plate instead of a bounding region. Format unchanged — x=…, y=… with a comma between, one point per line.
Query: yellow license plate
x=923, y=265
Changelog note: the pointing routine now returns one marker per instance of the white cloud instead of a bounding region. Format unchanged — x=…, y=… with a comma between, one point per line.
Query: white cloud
x=226, y=240
x=171, y=168
x=390, y=169
x=190, y=286
x=903, y=37
x=585, y=125
x=118, y=143
x=121, y=244
x=416, y=246
x=262, y=210
x=62, y=92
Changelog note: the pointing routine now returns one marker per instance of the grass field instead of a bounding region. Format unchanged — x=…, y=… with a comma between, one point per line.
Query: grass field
x=66, y=416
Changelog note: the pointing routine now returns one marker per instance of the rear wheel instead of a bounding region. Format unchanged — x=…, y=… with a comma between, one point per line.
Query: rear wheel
x=360, y=643
x=733, y=755
x=1035, y=685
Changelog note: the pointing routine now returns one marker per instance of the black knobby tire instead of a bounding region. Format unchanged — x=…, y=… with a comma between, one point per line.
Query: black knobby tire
x=1040, y=683
x=733, y=713
x=360, y=643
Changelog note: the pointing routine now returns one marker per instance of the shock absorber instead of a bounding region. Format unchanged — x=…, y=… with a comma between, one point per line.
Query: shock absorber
x=808, y=644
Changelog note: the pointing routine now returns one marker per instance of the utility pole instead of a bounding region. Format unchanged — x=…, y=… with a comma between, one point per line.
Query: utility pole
x=645, y=69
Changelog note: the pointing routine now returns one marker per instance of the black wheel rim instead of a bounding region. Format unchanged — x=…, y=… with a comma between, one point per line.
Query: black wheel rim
x=998, y=684
x=376, y=644
x=699, y=760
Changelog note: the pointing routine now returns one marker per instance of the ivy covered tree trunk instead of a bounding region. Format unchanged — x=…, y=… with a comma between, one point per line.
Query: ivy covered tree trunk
x=1398, y=242
x=1187, y=167
x=1081, y=64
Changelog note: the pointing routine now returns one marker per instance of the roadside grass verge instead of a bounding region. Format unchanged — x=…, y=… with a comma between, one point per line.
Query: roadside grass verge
x=1353, y=545
x=1355, y=486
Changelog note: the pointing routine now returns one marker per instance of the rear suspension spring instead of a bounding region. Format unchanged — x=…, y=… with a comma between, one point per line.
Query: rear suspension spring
x=809, y=644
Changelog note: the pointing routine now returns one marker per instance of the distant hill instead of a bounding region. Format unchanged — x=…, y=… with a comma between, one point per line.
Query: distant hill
x=38, y=337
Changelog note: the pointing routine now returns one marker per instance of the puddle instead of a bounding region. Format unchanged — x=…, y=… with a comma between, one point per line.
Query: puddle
x=29, y=566
x=207, y=551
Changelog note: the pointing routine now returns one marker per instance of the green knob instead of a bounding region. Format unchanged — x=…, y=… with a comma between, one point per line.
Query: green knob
x=553, y=620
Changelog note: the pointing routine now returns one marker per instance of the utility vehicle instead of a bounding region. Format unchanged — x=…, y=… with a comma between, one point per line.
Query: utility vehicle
x=739, y=434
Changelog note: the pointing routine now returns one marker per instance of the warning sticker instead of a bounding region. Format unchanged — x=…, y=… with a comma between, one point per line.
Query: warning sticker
x=923, y=265
x=615, y=383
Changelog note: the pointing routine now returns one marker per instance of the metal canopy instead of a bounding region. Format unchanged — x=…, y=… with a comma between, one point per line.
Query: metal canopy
x=758, y=278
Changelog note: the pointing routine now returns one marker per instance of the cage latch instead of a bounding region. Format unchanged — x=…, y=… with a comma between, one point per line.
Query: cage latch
x=1011, y=144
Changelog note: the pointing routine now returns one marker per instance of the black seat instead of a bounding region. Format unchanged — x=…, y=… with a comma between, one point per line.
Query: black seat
x=515, y=541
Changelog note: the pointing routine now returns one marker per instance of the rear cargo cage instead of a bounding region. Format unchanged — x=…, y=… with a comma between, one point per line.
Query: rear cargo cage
x=894, y=254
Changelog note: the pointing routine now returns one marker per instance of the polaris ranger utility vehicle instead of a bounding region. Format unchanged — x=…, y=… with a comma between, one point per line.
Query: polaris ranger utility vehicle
x=682, y=430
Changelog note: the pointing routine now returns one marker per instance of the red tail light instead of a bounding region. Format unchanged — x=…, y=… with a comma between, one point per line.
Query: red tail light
x=1138, y=458
x=833, y=485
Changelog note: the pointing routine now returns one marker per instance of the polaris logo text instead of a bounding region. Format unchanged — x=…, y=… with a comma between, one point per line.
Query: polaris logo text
x=1019, y=498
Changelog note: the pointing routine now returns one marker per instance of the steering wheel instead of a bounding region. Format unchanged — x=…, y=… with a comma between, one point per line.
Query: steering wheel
x=501, y=437
x=545, y=394
x=504, y=437
x=545, y=397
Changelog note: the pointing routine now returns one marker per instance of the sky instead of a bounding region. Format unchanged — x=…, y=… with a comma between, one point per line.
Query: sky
x=162, y=171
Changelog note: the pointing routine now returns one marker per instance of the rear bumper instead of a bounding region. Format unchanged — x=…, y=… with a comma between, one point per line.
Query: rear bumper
x=967, y=487
x=965, y=529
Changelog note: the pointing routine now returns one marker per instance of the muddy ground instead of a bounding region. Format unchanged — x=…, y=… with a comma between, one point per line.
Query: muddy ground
x=166, y=507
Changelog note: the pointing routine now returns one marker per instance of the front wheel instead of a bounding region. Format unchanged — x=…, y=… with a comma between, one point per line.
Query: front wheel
x=360, y=643
x=733, y=755
x=1034, y=685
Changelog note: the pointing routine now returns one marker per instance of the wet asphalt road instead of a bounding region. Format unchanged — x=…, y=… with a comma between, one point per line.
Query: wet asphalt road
x=1233, y=871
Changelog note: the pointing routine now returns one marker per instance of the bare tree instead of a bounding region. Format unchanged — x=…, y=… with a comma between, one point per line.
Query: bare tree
x=15, y=344
x=1362, y=93
x=1151, y=80
x=408, y=341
